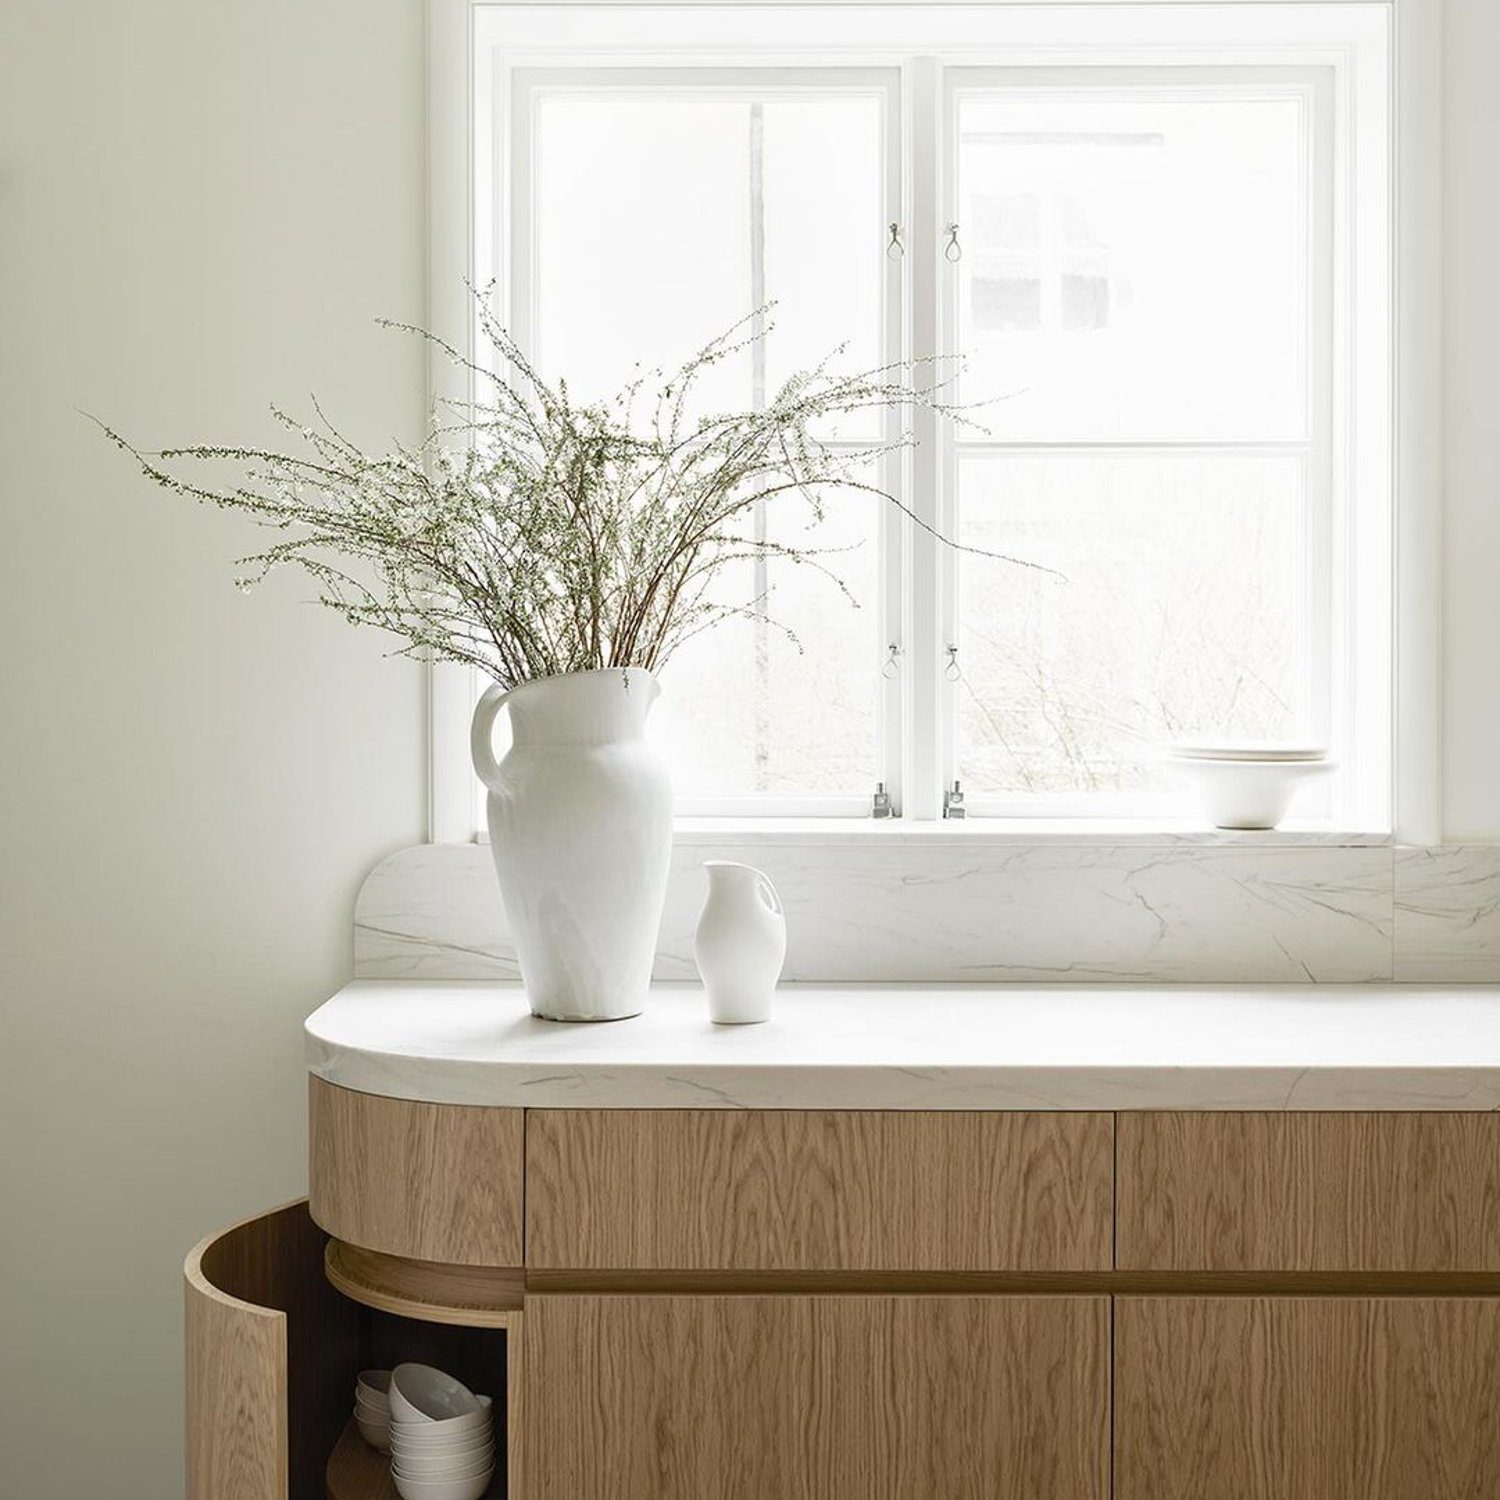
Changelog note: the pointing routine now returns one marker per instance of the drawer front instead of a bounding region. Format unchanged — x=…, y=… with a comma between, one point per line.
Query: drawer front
x=816, y=1398
x=1309, y=1192
x=426, y=1181
x=1306, y=1398
x=814, y=1190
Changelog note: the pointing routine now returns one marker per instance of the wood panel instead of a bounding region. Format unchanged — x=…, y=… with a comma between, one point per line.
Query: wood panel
x=470, y=1296
x=818, y=1190
x=437, y=1182
x=816, y=1398
x=1292, y=1398
x=1309, y=1192
x=271, y=1355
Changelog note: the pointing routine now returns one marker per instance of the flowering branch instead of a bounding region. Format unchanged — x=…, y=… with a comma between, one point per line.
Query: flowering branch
x=530, y=535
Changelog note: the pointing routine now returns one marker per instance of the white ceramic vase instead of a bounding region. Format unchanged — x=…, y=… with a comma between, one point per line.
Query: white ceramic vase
x=740, y=943
x=580, y=819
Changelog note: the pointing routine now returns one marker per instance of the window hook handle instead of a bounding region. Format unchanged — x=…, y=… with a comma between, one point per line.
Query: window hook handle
x=895, y=250
x=892, y=661
x=953, y=671
x=953, y=251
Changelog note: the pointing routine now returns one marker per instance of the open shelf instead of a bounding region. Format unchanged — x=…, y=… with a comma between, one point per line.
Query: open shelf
x=478, y=1356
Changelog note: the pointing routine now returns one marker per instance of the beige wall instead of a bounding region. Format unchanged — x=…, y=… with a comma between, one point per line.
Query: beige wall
x=1471, y=329
x=203, y=205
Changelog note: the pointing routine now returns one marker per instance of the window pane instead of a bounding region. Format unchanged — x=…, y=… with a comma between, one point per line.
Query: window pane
x=1134, y=263
x=751, y=707
x=1179, y=611
x=661, y=218
x=660, y=221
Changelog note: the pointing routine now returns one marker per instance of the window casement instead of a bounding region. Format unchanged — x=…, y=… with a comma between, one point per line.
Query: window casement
x=1150, y=248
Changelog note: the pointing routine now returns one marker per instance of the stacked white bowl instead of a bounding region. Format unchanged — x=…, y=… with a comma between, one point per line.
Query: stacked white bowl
x=442, y=1436
x=372, y=1408
x=1246, y=784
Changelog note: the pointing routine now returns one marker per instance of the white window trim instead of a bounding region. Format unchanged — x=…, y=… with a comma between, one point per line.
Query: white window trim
x=1224, y=32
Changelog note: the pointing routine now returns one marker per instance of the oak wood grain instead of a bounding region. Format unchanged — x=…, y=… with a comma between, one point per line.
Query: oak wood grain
x=1307, y=1399
x=435, y=1182
x=271, y=1349
x=818, y=1190
x=815, y=1398
x=1030, y=1283
x=471, y=1296
x=1309, y=1192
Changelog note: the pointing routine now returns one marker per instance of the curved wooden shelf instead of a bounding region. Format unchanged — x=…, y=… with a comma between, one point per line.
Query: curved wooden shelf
x=356, y=1471
x=470, y=1296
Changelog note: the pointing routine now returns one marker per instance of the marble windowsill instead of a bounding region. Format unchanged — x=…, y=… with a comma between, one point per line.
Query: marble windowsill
x=1241, y=1047
x=978, y=833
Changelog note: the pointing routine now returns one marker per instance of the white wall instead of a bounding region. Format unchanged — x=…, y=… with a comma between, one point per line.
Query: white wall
x=1471, y=615
x=203, y=205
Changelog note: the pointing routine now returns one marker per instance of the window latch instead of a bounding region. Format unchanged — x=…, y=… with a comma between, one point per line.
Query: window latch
x=880, y=803
x=953, y=802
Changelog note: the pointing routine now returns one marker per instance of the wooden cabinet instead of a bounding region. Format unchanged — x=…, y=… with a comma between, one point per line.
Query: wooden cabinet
x=271, y=1352
x=816, y=1398
x=1309, y=1192
x=881, y=1305
x=1307, y=1398
x=435, y=1182
x=772, y=1190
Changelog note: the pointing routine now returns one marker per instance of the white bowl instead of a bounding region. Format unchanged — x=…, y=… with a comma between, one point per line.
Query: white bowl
x=1277, y=750
x=377, y=1436
x=362, y=1397
x=420, y=1393
x=462, y=1466
x=451, y=1429
x=442, y=1489
x=405, y=1441
x=375, y=1382
x=1245, y=793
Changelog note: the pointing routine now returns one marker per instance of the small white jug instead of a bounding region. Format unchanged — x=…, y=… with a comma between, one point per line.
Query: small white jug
x=740, y=943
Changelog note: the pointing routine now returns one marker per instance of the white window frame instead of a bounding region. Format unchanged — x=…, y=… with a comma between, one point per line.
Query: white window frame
x=1384, y=57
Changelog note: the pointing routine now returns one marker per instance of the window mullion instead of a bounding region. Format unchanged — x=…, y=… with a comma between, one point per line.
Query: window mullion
x=925, y=612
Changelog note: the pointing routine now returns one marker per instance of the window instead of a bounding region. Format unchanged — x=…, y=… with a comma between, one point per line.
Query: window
x=1157, y=238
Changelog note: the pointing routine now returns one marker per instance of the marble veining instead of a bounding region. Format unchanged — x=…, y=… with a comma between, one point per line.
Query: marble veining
x=1448, y=913
x=1303, y=1047
x=932, y=911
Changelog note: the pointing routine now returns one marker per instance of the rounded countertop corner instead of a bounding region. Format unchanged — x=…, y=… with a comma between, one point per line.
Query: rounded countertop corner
x=925, y=1047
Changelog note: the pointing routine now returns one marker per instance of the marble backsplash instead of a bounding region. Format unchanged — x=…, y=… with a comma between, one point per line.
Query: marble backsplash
x=940, y=912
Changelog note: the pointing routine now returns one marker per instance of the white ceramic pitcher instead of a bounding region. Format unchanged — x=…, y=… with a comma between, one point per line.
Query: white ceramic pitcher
x=740, y=943
x=580, y=819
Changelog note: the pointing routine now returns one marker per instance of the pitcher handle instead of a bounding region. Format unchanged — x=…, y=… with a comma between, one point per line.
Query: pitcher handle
x=768, y=893
x=481, y=734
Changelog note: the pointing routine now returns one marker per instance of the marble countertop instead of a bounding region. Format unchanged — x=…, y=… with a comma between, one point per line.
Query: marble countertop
x=1252, y=1047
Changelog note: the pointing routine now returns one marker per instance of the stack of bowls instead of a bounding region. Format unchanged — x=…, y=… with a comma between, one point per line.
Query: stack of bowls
x=442, y=1436
x=372, y=1408
x=1244, y=784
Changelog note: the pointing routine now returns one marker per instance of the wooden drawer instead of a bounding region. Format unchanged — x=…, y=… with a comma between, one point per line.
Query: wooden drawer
x=813, y=1190
x=1309, y=1192
x=1306, y=1398
x=438, y=1182
x=816, y=1398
